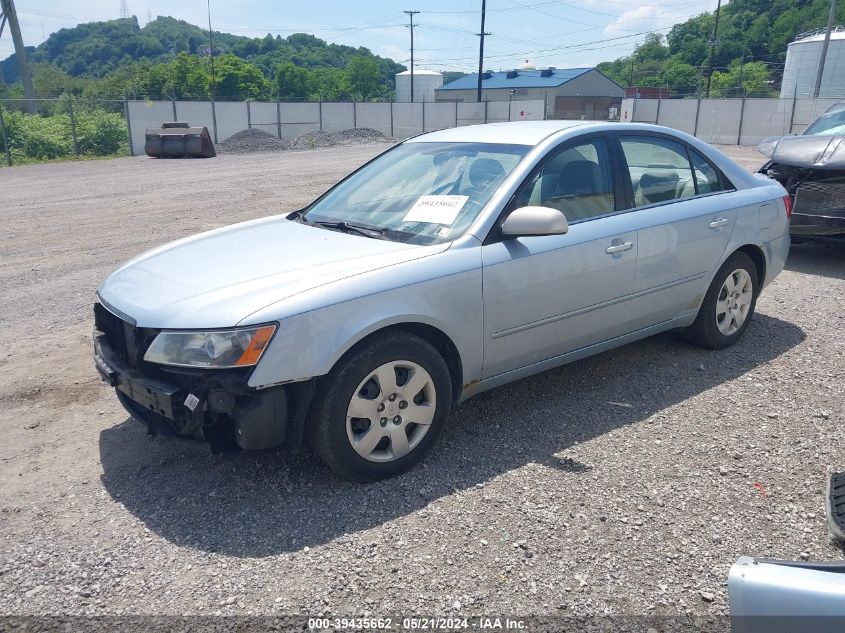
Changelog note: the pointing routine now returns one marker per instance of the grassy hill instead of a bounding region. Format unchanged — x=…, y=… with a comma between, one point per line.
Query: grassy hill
x=750, y=52
x=111, y=49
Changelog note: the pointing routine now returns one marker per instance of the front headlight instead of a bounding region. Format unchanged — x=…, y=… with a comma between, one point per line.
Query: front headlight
x=218, y=349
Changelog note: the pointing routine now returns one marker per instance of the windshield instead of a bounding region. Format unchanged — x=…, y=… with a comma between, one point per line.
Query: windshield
x=831, y=122
x=422, y=193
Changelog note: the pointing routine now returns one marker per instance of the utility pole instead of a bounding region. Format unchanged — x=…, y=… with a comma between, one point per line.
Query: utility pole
x=211, y=48
x=8, y=14
x=830, y=20
x=481, y=48
x=411, y=15
x=713, y=41
x=631, y=77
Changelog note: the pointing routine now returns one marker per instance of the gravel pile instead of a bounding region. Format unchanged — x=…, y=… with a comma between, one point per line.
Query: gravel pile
x=626, y=483
x=356, y=136
x=255, y=140
x=249, y=141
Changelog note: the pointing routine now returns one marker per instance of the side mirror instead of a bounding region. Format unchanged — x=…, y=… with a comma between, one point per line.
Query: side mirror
x=534, y=221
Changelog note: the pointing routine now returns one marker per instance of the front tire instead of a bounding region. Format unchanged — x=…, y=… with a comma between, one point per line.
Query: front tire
x=728, y=305
x=381, y=409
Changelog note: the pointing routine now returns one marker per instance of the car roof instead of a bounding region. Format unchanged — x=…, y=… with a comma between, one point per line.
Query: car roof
x=534, y=133
x=509, y=133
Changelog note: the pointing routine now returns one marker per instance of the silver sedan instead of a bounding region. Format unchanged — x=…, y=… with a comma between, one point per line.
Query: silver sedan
x=454, y=262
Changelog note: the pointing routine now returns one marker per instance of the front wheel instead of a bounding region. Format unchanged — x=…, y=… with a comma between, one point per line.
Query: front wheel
x=728, y=305
x=382, y=408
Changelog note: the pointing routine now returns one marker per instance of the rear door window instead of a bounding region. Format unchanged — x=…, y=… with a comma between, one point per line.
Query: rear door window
x=706, y=176
x=658, y=168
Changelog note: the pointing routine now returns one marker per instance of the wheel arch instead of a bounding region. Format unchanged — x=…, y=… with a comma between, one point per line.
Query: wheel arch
x=432, y=334
x=759, y=258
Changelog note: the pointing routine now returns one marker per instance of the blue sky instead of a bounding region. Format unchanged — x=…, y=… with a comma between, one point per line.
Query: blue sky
x=548, y=32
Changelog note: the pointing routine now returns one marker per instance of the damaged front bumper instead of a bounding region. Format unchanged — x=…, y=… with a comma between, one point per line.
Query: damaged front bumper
x=215, y=406
x=818, y=198
x=812, y=169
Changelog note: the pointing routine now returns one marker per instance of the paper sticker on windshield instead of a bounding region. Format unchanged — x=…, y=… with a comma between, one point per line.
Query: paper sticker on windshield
x=436, y=209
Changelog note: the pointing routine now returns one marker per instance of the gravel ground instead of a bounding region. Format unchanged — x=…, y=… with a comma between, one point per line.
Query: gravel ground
x=623, y=484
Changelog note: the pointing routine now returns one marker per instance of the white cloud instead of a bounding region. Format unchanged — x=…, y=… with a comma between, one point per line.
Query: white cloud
x=643, y=18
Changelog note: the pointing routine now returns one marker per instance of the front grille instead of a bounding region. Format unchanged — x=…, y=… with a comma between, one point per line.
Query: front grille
x=825, y=198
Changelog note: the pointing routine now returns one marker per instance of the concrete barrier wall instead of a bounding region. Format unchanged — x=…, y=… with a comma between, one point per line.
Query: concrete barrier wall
x=680, y=115
x=376, y=116
x=763, y=118
x=439, y=116
x=718, y=120
x=144, y=114
x=498, y=111
x=287, y=120
x=728, y=121
x=470, y=113
x=231, y=118
x=264, y=116
x=407, y=119
x=338, y=116
x=197, y=113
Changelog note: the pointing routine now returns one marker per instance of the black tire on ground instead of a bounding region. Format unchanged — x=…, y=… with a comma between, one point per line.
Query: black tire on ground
x=704, y=331
x=327, y=428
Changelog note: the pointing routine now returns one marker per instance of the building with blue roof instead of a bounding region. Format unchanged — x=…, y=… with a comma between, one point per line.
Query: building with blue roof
x=568, y=93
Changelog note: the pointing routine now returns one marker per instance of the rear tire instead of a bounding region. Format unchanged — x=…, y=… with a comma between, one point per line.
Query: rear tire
x=382, y=408
x=728, y=305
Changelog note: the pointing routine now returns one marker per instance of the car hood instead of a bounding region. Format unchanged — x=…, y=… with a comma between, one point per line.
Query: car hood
x=815, y=152
x=218, y=278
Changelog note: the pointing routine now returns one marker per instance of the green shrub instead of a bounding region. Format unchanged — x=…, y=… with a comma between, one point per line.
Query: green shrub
x=36, y=137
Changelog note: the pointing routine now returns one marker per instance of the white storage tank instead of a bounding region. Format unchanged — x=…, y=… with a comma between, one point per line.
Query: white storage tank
x=802, y=64
x=425, y=83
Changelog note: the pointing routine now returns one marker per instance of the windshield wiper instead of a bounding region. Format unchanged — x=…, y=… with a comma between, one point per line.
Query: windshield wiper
x=347, y=227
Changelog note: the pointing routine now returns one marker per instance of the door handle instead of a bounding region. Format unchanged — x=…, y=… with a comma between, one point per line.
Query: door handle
x=715, y=224
x=618, y=248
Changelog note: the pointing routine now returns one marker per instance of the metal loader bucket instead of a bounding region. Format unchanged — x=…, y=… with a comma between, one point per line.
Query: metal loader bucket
x=178, y=140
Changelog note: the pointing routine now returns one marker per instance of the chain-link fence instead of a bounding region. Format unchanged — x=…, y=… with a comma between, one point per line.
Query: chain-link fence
x=35, y=130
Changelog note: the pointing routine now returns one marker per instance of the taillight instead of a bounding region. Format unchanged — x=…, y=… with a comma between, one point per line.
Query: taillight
x=787, y=201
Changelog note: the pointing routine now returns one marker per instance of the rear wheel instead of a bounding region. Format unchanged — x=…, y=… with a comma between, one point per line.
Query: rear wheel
x=380, y=411
x=728, y=305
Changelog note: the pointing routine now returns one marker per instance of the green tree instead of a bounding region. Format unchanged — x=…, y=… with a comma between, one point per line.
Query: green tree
x=364, y=78
x=238, y=79
x=682, y=78
x=292, y=82
x=51, y=81
x=742, y=79
x=328, y=84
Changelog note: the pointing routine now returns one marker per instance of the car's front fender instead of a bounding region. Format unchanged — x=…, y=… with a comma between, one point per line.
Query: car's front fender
x=310, y=342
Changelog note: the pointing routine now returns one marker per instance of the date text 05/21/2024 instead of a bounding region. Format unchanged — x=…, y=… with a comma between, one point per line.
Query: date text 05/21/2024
x=416, y=623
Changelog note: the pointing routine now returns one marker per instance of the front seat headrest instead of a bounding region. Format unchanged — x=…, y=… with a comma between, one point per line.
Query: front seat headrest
x=580, y=177
x=484, y=171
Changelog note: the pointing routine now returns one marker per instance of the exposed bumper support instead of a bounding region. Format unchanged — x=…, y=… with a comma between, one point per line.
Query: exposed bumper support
x=205, y=405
